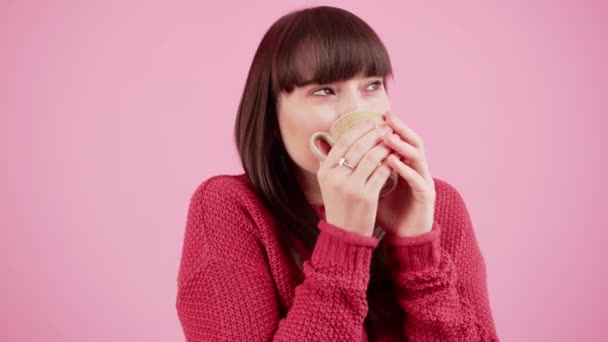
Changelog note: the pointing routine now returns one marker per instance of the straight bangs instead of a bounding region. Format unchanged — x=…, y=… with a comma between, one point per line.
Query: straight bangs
x=328, y=46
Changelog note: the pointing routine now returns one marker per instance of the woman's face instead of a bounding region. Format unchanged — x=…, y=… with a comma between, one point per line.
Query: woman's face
x=315, y=107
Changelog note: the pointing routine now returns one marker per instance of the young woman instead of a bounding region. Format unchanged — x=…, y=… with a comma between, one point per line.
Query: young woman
x=296, y=249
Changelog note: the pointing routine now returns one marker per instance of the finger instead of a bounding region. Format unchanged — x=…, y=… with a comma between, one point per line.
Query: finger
x=369, y=162
x=415, y=157
x=378, y=178
x=364, y=145
x=414, y=179
x=347, y=140
x=405, y=132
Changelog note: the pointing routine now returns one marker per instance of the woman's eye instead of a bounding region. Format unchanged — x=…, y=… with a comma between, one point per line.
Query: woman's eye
x=376, y=85
x=323, y=91
x=328, y=91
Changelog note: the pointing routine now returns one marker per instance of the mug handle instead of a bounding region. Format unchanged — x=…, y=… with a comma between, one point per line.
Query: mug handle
x=325, y=136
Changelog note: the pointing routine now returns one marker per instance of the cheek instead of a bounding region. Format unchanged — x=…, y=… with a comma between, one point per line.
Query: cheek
x=293, y=134
x=296, y=132
x=298, y=127
x=382, y=102
x=293, y=130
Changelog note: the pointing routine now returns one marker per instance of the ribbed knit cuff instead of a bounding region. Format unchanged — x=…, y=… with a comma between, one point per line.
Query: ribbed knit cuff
x=413, y=254
x=338, y=248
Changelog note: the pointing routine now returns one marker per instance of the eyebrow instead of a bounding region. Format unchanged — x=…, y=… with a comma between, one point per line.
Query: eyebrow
x=309, y=82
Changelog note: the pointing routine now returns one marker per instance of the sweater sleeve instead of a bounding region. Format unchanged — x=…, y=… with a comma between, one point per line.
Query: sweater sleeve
x=442, y=290
x=226, y=291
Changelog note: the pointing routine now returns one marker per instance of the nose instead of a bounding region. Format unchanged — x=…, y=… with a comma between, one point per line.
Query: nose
x=350, y=101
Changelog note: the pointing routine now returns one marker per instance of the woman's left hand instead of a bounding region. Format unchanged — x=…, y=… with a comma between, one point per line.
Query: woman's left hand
x=407, y=210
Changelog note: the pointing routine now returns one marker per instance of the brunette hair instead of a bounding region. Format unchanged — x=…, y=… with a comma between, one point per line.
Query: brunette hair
x=324, y=45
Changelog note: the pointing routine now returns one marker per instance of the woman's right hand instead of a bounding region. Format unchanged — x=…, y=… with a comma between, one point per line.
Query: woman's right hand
x=350, y=196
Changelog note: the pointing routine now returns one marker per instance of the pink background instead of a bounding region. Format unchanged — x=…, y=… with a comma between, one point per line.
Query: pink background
x=112, y=113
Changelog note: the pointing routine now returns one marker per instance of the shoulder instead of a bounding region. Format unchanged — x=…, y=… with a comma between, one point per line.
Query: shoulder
x=225, y=192
x=223, y=223
x=450, y=208
x=447, y=195
x=452, y=215
x=227, y=201
x=224, y=189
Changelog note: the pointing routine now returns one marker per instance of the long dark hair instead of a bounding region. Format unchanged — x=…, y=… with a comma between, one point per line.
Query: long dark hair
x=325, y=44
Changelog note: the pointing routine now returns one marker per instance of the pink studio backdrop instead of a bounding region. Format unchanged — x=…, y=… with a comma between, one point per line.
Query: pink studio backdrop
x=112, y=113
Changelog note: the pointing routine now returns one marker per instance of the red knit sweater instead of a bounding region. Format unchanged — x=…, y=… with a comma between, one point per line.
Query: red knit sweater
x=236, y=283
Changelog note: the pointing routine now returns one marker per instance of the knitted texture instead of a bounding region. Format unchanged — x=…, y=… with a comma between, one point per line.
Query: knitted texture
x=236, y=283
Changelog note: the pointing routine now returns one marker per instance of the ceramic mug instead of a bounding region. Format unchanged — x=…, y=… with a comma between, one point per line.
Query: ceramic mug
x=343, y=125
